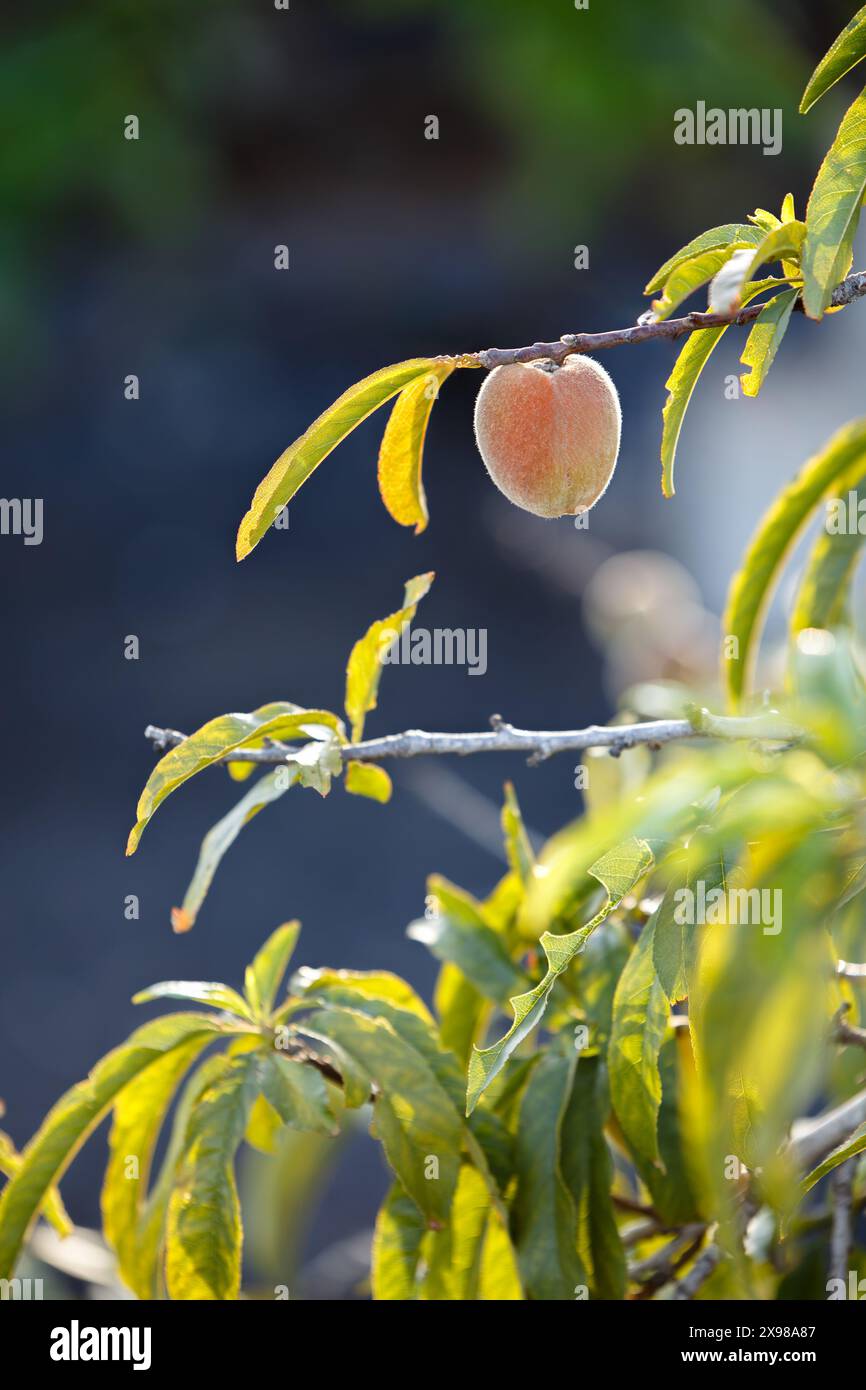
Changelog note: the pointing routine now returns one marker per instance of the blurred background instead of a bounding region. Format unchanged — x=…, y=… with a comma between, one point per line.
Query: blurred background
x=305, y=127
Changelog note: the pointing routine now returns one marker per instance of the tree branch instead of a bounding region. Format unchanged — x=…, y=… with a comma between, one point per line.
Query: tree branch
x=645, y=330
x=539, y=743
x=842, y=1190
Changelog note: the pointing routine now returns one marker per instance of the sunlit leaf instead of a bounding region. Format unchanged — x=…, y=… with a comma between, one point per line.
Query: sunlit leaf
x=617, y=871
x=764, y=339
x=842, y=55
x=52, y=1207
x=297, y=1093
x=851, y=1149
x=471, y=1259
x=640, y=1020
x=197, y=992
x=295, y=465
x=279, y=721
x=729, y=234
x=400, y=1229
x=834, y=207
x=368, y=779
x=203, y=1222
x=690, y=275
x=455, y=931
x=517, y=843
x=77, y=1114
x=823, y=596
x=752, y=587
x=400, y=456
x=264, y=975
x=587, y=1172
x=364, y=668
x=351, y=985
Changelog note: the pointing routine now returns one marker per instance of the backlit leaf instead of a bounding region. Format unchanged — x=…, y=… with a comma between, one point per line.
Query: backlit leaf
x=834, y=208
x=764, y=339
x=295, y=465
x=843, y=54
x=197, y=992
x=729, y=234
x=640, y=1020
x=400, y=456
x=265, y=973
x=364, y=668
x=368, y=779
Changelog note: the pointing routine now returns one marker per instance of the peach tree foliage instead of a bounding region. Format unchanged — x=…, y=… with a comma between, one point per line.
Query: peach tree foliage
x=598, y=1069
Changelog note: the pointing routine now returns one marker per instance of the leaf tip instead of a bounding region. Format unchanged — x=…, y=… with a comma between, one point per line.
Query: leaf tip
x=181, y=920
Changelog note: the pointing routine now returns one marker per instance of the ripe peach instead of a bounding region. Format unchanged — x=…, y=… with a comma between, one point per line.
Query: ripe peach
x=549, y=433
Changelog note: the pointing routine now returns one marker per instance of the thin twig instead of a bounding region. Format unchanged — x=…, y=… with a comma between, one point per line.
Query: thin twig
x=699, y=1273
x=645, y=331
x=841, y=1190
x=539, y=743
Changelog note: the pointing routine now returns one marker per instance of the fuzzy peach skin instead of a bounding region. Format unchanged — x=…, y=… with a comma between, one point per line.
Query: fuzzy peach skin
x=548, y=434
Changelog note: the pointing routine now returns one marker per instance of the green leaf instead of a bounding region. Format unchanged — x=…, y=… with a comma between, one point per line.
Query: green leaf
x=297, y=1093
x=341, y=986
x=518, y=848
x=587, y=1171
x=416, y=1120
x=543, y=1216
x=456, y=932
x=617, y=871
x=52, y=1207
x=139, y=1113
x=690, y=275
x=220, y=838
x=364, y=669
x=731, y=233
x=850, y=1149
x=402, y=449
x=397, y=1239
x=674, y=937
x=842, y=55
x=764, y=339
x=461, y=1010
x=682, y=381
x=834, y=209
x=640, y=1020
x=264, y=975
x=295, y=465
x=74, y=1117
x=471, y=1259
x=752, y=587
x=198, y=992
x=367, y=779
x=209, y=744
x=822, y=598
x=203, y=1222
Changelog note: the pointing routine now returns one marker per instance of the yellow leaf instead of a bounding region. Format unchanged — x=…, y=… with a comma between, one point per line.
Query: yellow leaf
x=403, y=446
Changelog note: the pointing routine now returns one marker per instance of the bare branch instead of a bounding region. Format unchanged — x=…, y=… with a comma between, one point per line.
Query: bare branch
x=813, y=1139
x=539, y=743
x=645, y=331
x=699, y=1273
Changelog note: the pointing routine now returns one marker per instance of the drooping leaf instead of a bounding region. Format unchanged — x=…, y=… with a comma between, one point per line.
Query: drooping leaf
x=461, y=1010
x=640, y=1020
x=364, y=669
x=753, y=585
x=203, y=1222
x=764, y=339
x=400, y=456
x=729, y=234
x=456, y=932
x=683, y=379
x=834, y=208
x=197, y=992
x=279, y=721
x=368, y=779
x=518, y=847
x=139, y=1114
x=823, y=595
x=587, y=1172
x=416, y=1120
x=52, y=1207
x=843, y=54
x=264, y=975
x=295, y=465
x=77, y=1114
x=543, y=1214
x=617, y=871
x=400, y=1229
x=220, y=838
x=471, y=1259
